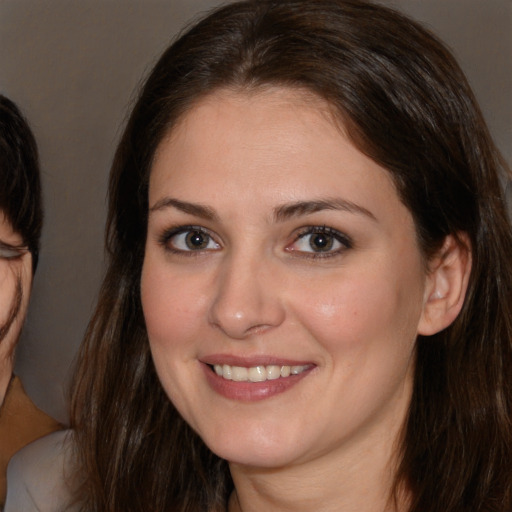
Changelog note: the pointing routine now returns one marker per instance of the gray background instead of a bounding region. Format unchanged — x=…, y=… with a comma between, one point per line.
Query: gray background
x=74, y=66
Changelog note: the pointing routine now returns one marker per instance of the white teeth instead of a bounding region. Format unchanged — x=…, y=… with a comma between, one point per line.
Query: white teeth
x=239, y=373
x=225, y=371
x=273, y=372
x=256, y=373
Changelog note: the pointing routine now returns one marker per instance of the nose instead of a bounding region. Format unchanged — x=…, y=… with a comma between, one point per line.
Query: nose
x=247, y=298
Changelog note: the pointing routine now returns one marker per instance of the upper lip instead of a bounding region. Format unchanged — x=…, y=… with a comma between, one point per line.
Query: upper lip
x=250, y=361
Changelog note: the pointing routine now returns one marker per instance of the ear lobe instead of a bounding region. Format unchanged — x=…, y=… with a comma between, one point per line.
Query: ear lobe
x=446, y=285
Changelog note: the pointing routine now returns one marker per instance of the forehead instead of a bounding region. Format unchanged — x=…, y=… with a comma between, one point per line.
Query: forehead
x=267, y=136
x=256, y=101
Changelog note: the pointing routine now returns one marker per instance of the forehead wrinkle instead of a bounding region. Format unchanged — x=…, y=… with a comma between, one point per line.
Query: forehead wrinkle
x=300, y=208
x=196, y=209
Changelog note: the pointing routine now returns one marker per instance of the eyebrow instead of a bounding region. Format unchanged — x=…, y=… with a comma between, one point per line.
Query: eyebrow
x=196, y=209
x=299, y=208
x=280, y=214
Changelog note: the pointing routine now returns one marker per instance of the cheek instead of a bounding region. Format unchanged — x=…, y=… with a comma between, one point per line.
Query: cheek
x=366, y=324
x=363, y=308
x=172, y=306
x=7, y=293
x=15, y=282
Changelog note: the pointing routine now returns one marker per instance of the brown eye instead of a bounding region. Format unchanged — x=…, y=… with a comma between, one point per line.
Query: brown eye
x=196, y=240
x=188, y=239
x=321, y=242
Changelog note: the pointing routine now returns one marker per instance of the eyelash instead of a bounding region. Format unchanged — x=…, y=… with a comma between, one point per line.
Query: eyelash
x=341, y=238
x=10, y=252
x=166, y=237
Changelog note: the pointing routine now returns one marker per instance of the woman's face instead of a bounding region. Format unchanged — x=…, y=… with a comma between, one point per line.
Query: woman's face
x=15, y=281
x=282, y=284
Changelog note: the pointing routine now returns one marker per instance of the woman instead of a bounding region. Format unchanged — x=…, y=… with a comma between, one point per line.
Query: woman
x=20, y=229
x=308, y=300
x=268, y=132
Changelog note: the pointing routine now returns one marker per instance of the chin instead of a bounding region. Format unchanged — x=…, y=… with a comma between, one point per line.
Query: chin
x=256, y=447
x=255, y=458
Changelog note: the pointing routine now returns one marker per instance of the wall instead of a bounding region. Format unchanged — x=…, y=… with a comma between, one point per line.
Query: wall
x=73, y=68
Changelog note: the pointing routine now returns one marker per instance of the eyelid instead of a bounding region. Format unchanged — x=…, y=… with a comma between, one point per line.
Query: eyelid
x=11, y=252
x=339, y=236
x=164, y=238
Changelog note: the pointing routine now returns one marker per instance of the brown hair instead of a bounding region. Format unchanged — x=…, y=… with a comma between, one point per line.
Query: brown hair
x=405, y=103
x=20, y=190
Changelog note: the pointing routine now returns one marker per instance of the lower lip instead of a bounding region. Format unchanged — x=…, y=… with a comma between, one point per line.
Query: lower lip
x=251, y=391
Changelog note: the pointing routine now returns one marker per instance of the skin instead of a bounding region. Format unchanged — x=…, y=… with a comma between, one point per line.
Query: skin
x=15, y=283
x=259, y=291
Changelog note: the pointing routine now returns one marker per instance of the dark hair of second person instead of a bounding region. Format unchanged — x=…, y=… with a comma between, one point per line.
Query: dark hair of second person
x=20, y=194
x=21, y=422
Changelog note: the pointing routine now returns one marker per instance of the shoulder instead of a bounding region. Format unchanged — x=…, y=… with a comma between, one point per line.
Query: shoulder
x=39, y=475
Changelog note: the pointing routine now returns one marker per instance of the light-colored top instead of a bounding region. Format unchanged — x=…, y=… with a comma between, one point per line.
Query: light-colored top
x=21, y=422
x=39, y=476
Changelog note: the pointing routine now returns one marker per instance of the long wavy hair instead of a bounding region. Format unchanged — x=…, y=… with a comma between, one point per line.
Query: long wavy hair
x=405, y=103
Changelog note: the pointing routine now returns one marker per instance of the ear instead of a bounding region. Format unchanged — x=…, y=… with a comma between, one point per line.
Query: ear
x=446, y=284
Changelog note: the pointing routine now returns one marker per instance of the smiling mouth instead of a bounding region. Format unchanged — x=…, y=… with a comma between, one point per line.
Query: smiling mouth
x=257, y=373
